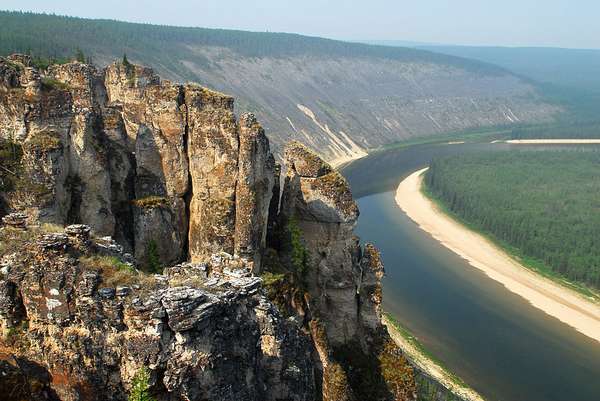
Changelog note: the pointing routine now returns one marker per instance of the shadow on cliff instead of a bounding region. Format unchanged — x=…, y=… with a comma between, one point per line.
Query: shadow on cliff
x=22, y=380
x=365, y=376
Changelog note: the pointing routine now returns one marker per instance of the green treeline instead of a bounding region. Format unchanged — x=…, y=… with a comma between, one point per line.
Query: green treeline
x=585, y=130
x=544, y=205
x=53, y=36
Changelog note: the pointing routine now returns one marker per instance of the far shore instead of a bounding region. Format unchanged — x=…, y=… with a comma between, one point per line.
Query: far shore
x=553, y=141
x=558, y=301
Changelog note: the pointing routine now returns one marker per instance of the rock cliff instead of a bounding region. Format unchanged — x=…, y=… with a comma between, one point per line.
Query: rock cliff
x=150, y=163
x=146, y=241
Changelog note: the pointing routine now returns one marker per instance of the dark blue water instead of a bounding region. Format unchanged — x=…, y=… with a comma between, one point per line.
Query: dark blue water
x=493, y=339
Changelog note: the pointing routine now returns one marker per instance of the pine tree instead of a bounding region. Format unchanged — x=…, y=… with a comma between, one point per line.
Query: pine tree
x=79, y=56
x=154, y=265
x=139, y=390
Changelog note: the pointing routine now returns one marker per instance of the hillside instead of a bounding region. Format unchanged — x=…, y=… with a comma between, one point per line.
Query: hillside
x=541, y=205
x=569, y=76
x=339, y=98
x=575, y=68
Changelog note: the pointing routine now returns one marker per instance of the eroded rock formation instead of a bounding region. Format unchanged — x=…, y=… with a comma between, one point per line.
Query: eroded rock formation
x=199, y=337
x=260, y=295
x=151, y=163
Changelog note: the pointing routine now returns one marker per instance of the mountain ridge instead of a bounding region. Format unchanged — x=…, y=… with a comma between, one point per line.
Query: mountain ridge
x=341, y=99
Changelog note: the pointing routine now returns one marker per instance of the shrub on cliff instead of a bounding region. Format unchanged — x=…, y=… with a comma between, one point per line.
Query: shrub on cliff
x=299, y=253
x=154, y=265
x=140, y=389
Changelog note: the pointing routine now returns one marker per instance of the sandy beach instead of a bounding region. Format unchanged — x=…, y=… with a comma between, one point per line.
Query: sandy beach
x=560, y=302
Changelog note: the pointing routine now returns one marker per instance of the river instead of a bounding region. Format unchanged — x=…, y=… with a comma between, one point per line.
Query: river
x=498, y=343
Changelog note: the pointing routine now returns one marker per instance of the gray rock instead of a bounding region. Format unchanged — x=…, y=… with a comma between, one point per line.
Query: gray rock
x=107, y=293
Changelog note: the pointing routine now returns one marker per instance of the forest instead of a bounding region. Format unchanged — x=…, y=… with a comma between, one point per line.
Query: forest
x=586, y=130
x=53, y=36
x=544, y=206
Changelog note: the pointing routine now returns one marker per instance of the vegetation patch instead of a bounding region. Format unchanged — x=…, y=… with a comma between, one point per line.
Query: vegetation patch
x=282, y=286
x=299, y=254
x=10, y=169
x=541, y=206
x=154, y=265
x=574, y=130
x=378, y=375
x=13, y=240
x=42, y=63
x=51, y=84
x=13, y=65
x=113, y=271
x=140, y=389
x=44, y=141
x=16, y=337
x=150, y=202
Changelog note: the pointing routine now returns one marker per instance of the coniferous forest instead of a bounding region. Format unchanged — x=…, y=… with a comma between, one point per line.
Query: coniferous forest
x=544, y=205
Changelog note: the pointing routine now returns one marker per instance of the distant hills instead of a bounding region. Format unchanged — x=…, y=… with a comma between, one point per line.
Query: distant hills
x=574, y=68
x=568, y=76
x=340, y=98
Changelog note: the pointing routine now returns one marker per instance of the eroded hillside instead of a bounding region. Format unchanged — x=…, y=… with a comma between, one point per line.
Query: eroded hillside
x=340, y=98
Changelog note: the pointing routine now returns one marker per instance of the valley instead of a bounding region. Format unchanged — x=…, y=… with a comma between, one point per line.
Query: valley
x=341, y=98
x=493, y=339
x=216, y=214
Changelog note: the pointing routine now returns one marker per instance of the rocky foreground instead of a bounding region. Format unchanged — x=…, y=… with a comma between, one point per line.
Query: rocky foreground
x=146, y=237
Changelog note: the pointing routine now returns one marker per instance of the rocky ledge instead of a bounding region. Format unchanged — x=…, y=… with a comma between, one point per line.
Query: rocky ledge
x=147, y=245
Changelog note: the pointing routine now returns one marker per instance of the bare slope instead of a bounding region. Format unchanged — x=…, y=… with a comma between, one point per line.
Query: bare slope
x=340, y=98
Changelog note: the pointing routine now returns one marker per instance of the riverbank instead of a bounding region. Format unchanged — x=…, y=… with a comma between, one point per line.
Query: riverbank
x=546, y=295
x=426, y=367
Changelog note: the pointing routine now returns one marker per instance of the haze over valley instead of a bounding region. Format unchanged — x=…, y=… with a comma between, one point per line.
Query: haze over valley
x=210, y=201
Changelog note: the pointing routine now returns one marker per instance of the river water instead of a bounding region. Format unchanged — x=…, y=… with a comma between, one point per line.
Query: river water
x=494, y=340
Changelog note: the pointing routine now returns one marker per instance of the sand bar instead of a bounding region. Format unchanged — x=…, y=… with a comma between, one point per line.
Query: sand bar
x=560, y=302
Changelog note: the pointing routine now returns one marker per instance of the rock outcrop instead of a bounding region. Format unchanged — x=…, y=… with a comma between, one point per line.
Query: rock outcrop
x=318, y=200
x=90, y=331
x=153, y=164
x=182, y=258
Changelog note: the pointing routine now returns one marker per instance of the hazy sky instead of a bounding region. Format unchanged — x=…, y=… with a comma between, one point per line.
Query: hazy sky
x=564, y=23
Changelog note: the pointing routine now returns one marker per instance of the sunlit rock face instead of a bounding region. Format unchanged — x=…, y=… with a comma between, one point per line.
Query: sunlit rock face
x=151, y=163
x=84, y=336
x=261, y=291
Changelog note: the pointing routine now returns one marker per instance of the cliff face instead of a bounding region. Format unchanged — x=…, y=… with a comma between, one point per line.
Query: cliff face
x=343, y=106
x=258, y=296
x=88, y=340
x=144, y=161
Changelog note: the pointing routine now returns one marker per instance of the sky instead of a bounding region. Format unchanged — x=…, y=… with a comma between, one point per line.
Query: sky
x=558, y=23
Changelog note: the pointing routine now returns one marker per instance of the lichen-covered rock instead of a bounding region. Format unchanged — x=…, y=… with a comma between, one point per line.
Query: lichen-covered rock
x=321, y=205
x=304, y=161
x=256, y=169
x=91, y=146
x=213, y=144
x=197, y=340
